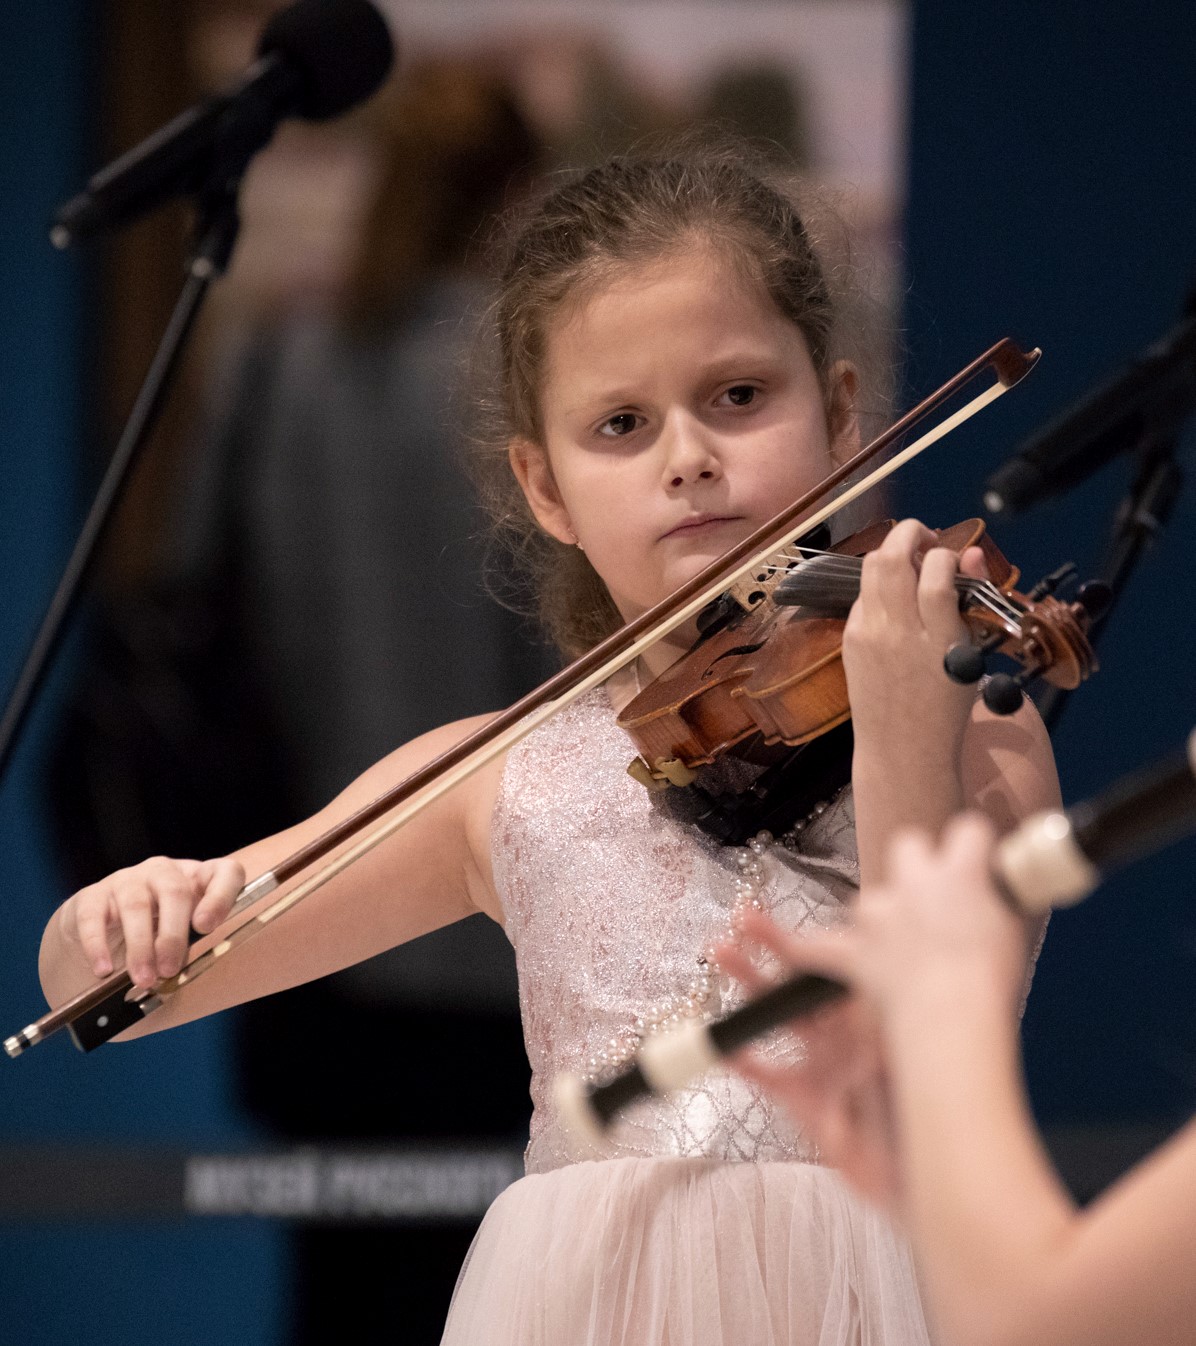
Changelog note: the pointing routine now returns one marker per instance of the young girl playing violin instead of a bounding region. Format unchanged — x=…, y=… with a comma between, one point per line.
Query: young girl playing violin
x=669, y=382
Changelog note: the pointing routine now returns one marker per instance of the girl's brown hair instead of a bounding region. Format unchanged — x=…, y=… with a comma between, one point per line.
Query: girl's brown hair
x=630, y=210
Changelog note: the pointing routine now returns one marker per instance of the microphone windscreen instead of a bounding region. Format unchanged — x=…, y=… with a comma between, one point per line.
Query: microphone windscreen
x=1014, y=485
x=341, y=49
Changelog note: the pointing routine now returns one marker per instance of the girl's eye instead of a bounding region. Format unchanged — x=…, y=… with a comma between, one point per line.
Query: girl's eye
x=741, y=395
x=622, y=424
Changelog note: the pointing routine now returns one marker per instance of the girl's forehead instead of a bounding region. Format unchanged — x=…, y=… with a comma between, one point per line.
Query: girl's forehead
x=689, y=301
x=662, y=331
x=701, y=263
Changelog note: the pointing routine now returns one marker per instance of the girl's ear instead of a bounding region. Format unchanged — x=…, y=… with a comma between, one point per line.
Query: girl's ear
x=843, y=422
x=533, y=472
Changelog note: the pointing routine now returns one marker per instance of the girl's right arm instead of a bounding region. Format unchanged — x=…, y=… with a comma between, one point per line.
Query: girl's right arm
x=432, y=871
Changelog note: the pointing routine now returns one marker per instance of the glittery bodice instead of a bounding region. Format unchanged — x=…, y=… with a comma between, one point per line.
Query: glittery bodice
x=609, y=901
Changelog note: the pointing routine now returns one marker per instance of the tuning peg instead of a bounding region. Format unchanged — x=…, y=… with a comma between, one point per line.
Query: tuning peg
x=1095, y=598
x=1003, y=694
x=964, y=663
x=968, y=663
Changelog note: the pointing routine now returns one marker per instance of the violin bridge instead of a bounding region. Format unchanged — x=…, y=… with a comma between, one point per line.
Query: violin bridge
x=666, y=771
x=751, y=590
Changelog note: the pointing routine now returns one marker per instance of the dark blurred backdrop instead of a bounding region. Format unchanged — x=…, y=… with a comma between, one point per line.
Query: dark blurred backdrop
x=1049, y=195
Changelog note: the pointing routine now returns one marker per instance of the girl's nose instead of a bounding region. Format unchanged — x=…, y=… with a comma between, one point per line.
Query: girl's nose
x=689, y=454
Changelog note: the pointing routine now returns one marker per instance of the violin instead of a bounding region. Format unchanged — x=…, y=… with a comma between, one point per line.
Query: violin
x=776, y=669
x=769, y=672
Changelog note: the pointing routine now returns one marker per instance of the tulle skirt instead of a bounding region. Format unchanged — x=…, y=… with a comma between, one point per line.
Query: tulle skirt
x=685, y=1252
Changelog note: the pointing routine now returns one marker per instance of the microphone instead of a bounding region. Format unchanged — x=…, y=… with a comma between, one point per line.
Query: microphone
x=1155, y=391
x=1053, y=859
x=315, y=60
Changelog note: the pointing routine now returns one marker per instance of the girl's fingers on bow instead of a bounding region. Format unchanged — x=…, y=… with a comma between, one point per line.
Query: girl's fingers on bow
x=150, y=908
x=962, y=855
x=135, y=908
x=93, y=912
x=911, y=853
x=969, y=836
x=221, y=882
x=173, y=888
x=966, y=851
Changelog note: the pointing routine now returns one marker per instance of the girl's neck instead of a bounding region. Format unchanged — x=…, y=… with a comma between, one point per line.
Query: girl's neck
x=622, y=686
x=666, y=652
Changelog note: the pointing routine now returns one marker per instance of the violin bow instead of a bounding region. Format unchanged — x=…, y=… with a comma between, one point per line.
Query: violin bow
x=100, y=1013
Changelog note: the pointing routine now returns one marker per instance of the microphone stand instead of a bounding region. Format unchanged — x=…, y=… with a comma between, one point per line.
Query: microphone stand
x=1150, y=400
x=1140, y=518
x=217, y=225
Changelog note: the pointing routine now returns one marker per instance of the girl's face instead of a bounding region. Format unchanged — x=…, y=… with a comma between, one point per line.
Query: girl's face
x=680, y=412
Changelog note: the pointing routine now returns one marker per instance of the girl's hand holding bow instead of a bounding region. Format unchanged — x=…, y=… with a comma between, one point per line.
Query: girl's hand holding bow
x=148, y=913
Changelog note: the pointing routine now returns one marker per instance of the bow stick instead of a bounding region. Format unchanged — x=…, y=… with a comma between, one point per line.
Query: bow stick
x=100, y=1013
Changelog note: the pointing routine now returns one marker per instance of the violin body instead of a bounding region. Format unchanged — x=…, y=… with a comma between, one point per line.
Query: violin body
x=742, y=680
x=777, y=671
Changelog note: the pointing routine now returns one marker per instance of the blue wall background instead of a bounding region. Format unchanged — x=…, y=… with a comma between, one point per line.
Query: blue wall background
x=108, y=1284
x=1052, y=198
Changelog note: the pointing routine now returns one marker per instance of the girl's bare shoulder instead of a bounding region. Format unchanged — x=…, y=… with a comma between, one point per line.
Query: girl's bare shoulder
x=469, y=804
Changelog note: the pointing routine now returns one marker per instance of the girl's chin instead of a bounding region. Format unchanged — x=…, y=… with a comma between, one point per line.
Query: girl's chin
x=679, y=570
x=686, y=567
x=673, y=579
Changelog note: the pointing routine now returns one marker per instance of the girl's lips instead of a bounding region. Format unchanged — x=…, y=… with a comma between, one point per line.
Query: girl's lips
x=699, y=522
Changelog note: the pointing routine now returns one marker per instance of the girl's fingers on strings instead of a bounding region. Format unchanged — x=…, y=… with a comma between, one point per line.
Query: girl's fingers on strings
x=938, y=597
x=889, y=577
x=973, y=564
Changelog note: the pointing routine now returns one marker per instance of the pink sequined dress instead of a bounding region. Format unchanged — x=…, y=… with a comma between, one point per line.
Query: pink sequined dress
x=707, y=1221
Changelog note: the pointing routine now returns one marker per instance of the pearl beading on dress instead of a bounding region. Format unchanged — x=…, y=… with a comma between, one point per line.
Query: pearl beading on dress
x=700, y=999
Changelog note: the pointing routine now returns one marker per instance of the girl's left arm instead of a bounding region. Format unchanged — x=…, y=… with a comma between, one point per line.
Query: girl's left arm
x=927, y=748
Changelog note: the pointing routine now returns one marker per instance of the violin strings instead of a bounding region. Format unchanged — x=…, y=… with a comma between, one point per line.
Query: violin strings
x=849, y=568
x=840, y=575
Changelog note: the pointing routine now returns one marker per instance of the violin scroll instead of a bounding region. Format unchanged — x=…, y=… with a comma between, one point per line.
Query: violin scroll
x=1048, y=638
